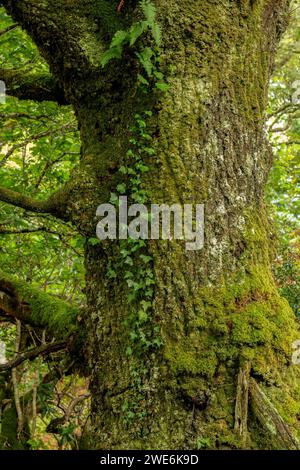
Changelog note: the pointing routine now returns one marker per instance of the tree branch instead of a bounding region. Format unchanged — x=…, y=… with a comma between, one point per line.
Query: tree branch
x=29, y=85
x=45, y=230
x=33, y=353
x=241, y=404
x=293, y=142
x=11, y=231
x=22, y=301
x=65, y=33
x=54, y=205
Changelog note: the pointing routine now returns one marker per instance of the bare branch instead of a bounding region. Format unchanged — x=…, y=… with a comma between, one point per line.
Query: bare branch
x=74, y=403
x=241, y=404
x=293, y=142
x=10, y=231
x=283, y=109
x=25, y=202
x=38, y=117
x=31, y=354
x=26, y=231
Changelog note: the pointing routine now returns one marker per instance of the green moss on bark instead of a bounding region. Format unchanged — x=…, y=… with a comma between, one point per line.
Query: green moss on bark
x=45, y=310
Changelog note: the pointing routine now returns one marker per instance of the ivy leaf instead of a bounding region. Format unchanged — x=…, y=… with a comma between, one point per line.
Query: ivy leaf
x=143, y=80
x=146, y=259
x=123, y=170
x=143, y=316
x=113, y=198
x=93, y=241
x=158, y=75
x=121, y=188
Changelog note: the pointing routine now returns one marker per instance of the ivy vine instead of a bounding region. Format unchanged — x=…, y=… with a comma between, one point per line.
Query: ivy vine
x=134, y=261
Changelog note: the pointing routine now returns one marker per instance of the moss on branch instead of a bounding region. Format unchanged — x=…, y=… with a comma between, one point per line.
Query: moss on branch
x=31, y=305
x=32, y=86
x=51, y=206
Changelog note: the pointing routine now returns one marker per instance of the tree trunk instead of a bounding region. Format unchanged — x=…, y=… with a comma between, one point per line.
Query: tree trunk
x=169, y=381
x=211, y=308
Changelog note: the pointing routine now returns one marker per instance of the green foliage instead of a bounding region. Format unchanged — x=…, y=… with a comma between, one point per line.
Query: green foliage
x=134, y=263
x=287, y=273
x=46, y=147
x=130, y=37
x=283, y=190
x=203, y=443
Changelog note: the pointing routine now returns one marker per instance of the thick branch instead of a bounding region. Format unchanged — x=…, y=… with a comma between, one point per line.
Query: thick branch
x=293, y=142
x=20, y=300
x=65, y=33
x=51, y=206
x=23, y=231
x=28, y=85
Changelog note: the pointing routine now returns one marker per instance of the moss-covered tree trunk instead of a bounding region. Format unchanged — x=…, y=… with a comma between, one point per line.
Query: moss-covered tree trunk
x=211, y=309
x=216, y=307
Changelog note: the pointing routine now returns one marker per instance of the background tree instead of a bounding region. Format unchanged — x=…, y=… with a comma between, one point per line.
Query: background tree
x=173, y=111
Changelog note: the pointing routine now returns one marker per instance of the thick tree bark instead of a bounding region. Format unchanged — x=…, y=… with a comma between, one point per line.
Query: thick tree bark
x=214, y=308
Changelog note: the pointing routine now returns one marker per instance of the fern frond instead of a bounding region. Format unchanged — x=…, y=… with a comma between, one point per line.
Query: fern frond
x=149, y=11
x=112, y=53
x=136, y=30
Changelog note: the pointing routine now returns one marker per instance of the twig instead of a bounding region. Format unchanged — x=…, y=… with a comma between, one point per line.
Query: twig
x=121, y=6
x=73, y=403
x=68, y=127
x=9, y=28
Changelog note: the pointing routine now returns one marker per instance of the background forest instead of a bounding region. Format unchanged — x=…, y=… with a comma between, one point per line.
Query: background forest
x=39, y=145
